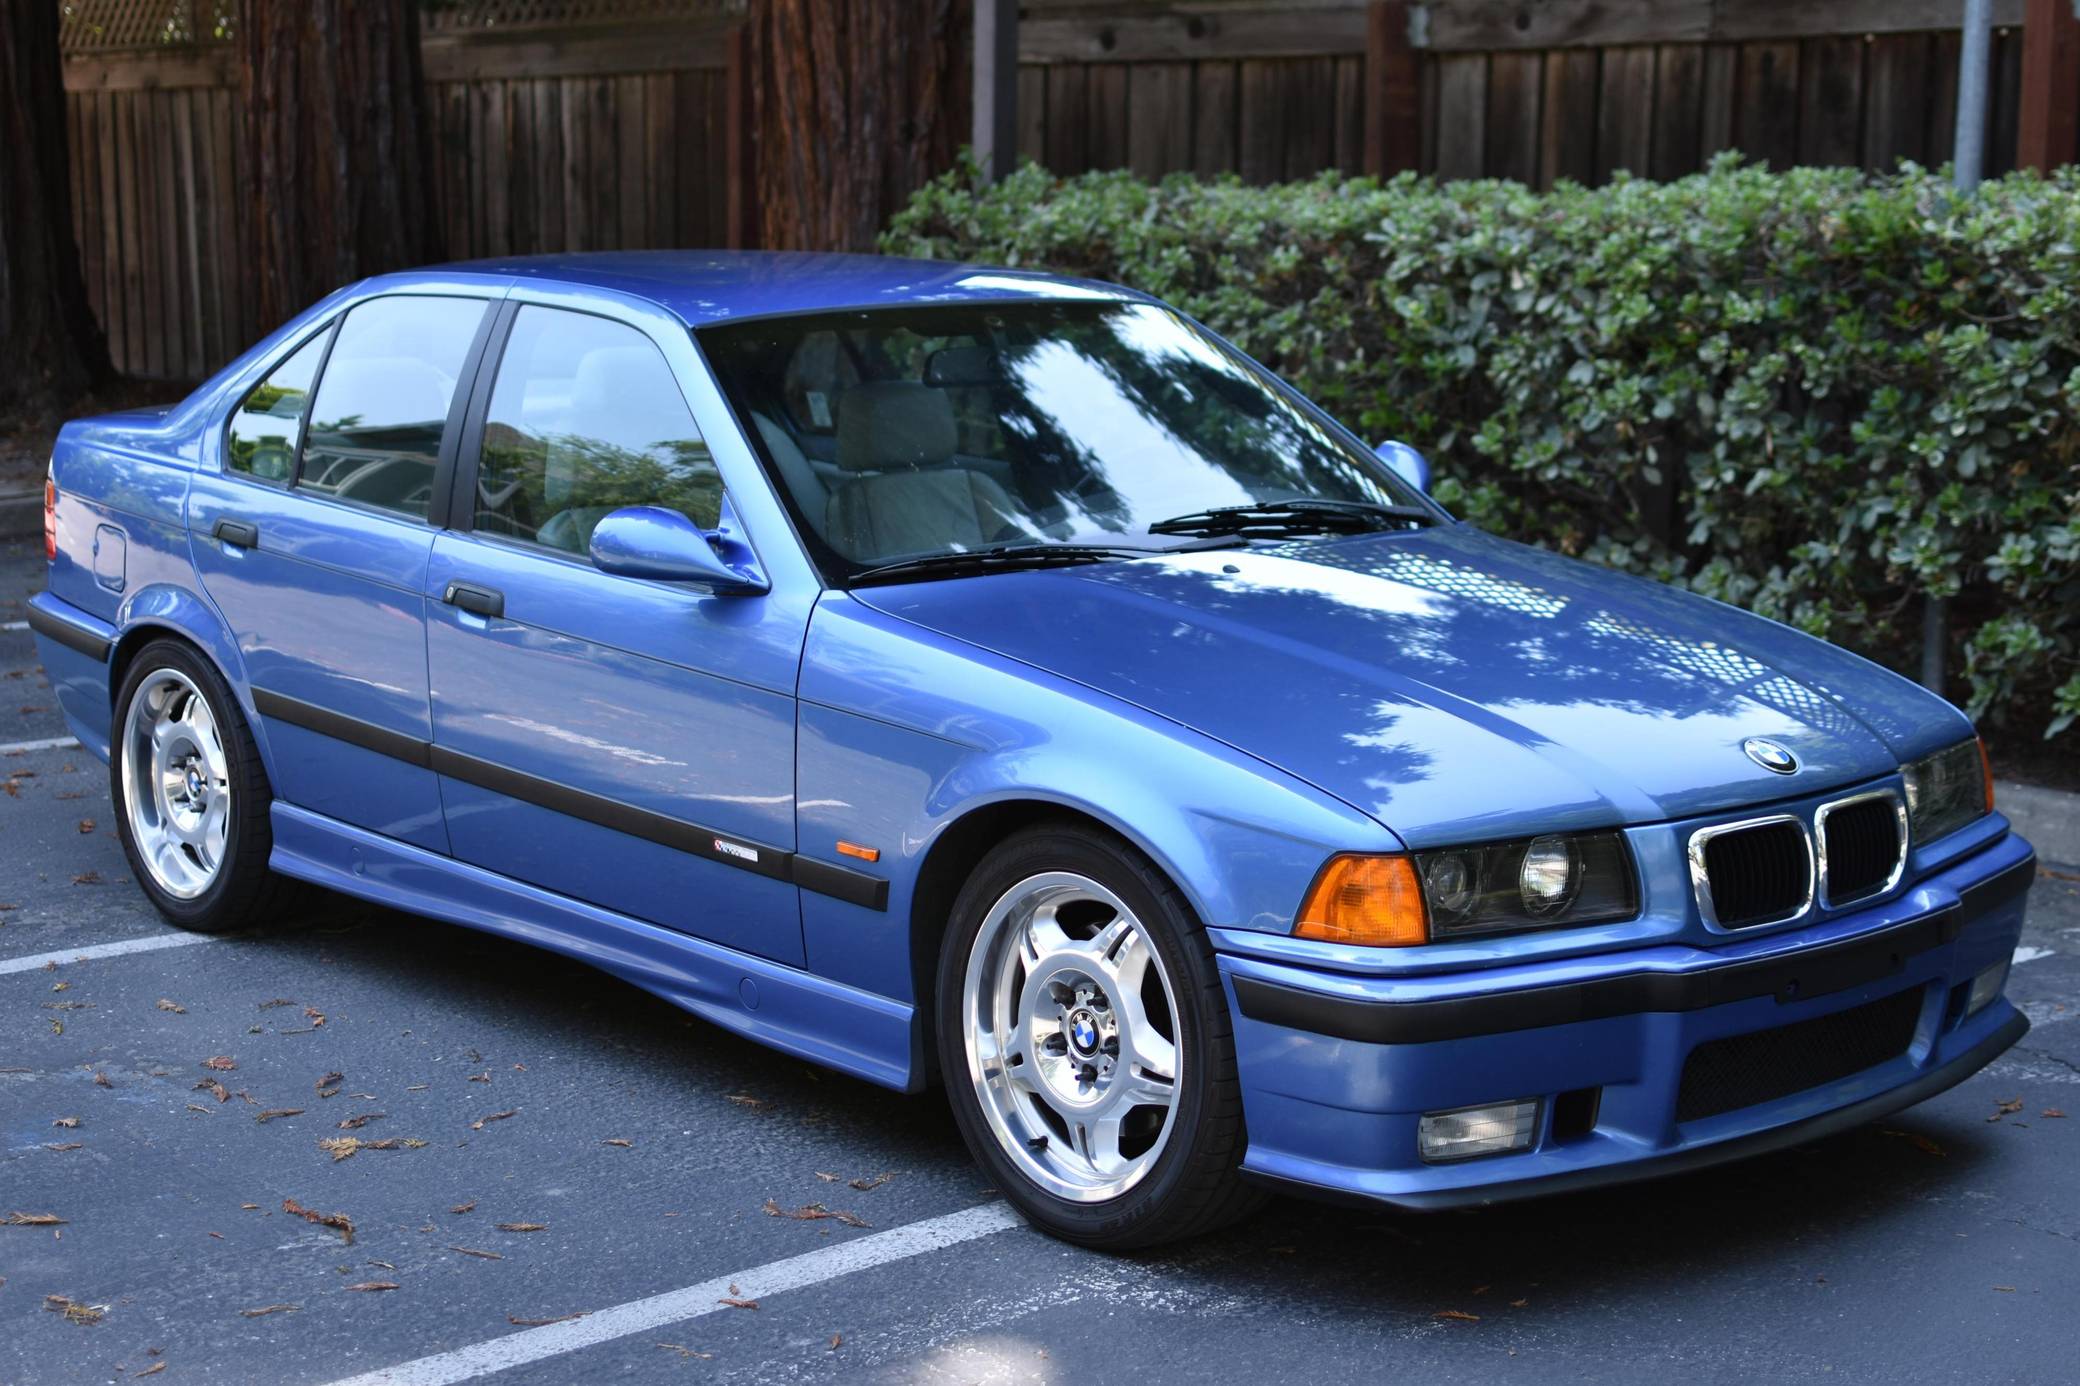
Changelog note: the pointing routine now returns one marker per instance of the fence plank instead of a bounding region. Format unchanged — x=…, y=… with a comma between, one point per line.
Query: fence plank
x=1311, y=134
x=86, y=164
x=1895, y=109
x=1105, y=130
x=1215, y=103
x=1721, y=72
x=632, y=145
x=1625, y=113
x=1349, y=144
x=1159, y=118
x=1068, y=110
x=1830, y=121
x=1032, y=113
x=1462, y=114
x=1394, y=77
x=1678, y=125
x=1766, y=127
x=1270, y=32
x=1515, y=107
x=235, y=311
x=2004, y=119
x=598, y=170
x=1503, y=25
x=1264, y=113
x=661, y=159
x=1567, y=128
x=197, y=353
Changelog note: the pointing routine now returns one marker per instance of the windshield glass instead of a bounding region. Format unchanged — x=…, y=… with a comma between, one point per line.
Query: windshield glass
x=900, y=433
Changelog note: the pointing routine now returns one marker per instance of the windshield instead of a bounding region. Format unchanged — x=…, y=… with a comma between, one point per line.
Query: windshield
x=903, y=433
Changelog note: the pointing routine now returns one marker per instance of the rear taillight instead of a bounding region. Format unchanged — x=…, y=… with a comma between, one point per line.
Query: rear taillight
x=50, y=520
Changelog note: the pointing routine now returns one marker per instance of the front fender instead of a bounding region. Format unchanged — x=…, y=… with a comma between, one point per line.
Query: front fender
x=904, y=733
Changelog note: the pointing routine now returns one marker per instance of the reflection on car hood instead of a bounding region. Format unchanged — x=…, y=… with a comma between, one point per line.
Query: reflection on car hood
x=1455, y=686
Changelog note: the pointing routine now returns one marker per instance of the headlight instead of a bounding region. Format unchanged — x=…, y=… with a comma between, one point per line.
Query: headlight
x=1534, y=883
x=1947, y=790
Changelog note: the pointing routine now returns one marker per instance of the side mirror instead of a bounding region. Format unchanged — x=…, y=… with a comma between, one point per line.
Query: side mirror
x=648, y=541
x=1408, y=464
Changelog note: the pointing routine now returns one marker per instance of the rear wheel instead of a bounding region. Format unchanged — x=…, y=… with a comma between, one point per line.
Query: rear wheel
x=1087, y=1045
x=190, y=794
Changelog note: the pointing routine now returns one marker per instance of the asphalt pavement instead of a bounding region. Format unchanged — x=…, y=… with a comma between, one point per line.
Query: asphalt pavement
x=562, y=1179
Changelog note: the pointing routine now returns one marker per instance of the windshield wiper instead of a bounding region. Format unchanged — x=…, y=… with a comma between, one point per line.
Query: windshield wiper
x=1306, y=515
x=1002, y=557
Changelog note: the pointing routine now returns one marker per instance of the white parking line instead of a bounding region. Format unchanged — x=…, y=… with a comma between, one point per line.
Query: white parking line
x=14, y=625
x=49, y=743
x=695, y=1301
x=150, y=943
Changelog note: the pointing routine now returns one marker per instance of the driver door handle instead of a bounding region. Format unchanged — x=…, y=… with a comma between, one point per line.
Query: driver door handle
x=480, y=601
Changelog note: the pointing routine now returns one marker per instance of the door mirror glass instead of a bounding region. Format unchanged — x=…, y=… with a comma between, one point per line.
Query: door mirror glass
x=1408, y=464
x=649, y=541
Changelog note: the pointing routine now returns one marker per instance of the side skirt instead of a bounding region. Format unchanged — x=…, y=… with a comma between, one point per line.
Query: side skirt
x=853, y=1031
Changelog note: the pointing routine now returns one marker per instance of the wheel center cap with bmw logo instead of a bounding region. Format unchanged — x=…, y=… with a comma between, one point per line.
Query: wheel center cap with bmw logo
x=1083, y=1032
x=1769, y=755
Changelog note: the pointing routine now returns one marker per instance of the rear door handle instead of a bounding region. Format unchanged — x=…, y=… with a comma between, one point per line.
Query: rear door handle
x=481, y=601
x=244, y=533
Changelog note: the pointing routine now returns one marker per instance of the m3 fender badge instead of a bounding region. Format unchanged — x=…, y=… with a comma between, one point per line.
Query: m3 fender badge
x=1770, y=756
x=737, y=850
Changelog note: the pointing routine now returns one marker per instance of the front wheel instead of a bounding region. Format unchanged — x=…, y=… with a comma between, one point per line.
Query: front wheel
x=1086, y=1043
x=191, y=796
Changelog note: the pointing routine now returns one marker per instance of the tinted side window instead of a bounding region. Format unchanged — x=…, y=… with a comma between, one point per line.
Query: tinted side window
x=262, y=439
x=376, y=423
x=585, y=418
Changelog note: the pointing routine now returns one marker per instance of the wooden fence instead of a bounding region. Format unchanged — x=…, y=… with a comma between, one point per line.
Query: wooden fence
x=606, y=124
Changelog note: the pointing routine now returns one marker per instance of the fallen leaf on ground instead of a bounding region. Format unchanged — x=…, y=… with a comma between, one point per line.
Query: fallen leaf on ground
x=338, y=1222
x=69, y=1145
x=174, y=1006
x=214, y=1089
x=464, y=1207
x=523, y=1227
x=69, y=1123
x=101, y=1081
x=267, y=1309
x=315, y=1016
x=814, y=1212
x=74, y=1311
x=483, y=1077
x=616, y=1140
x=746, y=1100
x=837, y=1339
x=481, y=1122
x=829, y=1178
x=686, y=1351
x=32, y=1220
x=1919, y=1142
x=2053, y=1112
x=154, y=1369
x=222, y=1063
x=2005, y=1289
x=86, y=825
x=330, y=1080
x=87, y=878
x=273, y=1113
x=739, y=1303
x=1458, y=1314
x=355, y=1123
x=270, y=1005
x=537, y=1323
x=472, y=1251
x=876, y=1182
x=1518, y=1303
x=373, y=1285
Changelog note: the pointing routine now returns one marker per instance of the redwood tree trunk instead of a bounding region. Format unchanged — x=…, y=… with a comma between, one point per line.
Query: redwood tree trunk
x=338, y=149
x=50, y=346
x=854, y=105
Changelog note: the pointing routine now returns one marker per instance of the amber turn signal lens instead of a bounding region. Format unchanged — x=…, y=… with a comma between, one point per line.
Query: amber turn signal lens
x=1374, y=902
x=1986, y=773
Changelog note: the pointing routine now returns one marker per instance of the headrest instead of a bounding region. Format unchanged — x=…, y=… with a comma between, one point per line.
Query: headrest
x=894, y=423
x=625, y=396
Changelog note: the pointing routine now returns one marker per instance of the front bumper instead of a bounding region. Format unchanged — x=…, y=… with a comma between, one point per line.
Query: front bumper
x=1337, y=1070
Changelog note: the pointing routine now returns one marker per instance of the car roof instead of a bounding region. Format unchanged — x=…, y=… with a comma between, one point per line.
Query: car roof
x=711, y=286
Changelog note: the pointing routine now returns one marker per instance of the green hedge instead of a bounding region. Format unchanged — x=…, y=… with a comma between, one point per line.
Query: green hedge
x=1819, y=394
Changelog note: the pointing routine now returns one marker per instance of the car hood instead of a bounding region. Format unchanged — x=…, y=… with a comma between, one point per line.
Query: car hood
x=1455, y=686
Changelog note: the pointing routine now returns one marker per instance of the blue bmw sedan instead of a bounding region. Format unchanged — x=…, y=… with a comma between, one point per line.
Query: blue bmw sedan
x=979, y=678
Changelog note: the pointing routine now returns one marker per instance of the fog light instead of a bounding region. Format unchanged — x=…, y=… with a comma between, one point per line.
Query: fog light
x=1986, y=986
x=1470, y=1132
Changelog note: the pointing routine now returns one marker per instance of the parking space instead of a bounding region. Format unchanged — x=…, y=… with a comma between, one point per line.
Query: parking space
x=530, y=1154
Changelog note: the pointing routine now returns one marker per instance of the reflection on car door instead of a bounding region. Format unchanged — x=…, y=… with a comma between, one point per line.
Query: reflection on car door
x=628, y=743
x=318, y=562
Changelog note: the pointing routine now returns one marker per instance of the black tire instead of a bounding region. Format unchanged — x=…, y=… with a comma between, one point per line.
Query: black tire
x=1194, y=1185
x=245, y=894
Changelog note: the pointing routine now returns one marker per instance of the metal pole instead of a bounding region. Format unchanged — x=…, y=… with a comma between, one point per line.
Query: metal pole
x=1968, y=158
x=995, y=136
